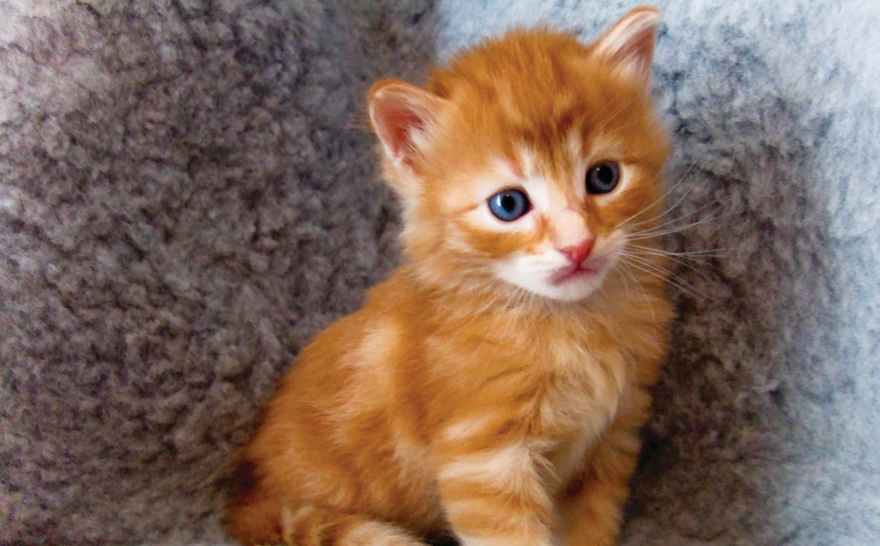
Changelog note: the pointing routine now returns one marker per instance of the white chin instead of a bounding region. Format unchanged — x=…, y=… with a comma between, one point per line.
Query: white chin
x=575, y=288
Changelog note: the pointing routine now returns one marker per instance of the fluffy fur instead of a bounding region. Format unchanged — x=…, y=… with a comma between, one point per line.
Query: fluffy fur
x=494, y=386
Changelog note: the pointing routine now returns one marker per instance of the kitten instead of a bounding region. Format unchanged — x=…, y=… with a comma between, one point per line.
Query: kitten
x=493, y=388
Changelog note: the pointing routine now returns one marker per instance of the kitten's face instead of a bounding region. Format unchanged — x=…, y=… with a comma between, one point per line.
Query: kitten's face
x=555, y=226
x=536, y=155
x=554, y=234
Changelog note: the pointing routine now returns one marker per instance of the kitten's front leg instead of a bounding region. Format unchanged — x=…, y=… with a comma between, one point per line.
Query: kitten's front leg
x=592, y=508
x=494, y=495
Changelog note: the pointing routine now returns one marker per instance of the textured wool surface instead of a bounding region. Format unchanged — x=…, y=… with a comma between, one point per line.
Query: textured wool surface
x=186, y=197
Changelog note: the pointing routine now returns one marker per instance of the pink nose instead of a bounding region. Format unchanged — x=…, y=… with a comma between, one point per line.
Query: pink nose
x=579, y=252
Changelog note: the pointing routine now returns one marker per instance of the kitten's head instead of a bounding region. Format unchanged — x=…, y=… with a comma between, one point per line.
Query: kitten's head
x=521, y=163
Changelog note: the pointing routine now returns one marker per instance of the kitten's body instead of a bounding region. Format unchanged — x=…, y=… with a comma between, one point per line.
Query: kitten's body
x=466, y=397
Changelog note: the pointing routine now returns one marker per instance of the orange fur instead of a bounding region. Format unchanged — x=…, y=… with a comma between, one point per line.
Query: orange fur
x=457, y=402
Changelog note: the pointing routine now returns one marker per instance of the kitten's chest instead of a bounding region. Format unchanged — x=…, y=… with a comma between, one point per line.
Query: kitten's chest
x=583, y=380
x=584, y=392
x=576, y=426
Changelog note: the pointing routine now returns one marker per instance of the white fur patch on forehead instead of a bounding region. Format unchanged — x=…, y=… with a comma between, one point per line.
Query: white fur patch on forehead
x=542, y=192
x=527, y=160
x=575, y=143
x=602, y=147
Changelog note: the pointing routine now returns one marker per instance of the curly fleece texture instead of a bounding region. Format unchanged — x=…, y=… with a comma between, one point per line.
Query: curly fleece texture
x=187, y=195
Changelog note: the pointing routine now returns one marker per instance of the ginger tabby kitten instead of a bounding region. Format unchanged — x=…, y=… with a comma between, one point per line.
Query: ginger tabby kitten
x=493, y=388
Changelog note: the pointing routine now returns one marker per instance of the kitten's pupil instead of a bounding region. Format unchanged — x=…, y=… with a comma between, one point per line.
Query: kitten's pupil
x=509, y=205
x=602, y=178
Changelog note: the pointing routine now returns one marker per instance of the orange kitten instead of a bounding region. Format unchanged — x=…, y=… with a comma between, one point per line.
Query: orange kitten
x=493, y=388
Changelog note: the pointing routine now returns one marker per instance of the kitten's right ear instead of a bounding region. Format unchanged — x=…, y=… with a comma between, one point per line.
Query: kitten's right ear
x=404, y=117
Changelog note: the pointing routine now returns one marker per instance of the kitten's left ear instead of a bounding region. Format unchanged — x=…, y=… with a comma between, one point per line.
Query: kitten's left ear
x=629, y=45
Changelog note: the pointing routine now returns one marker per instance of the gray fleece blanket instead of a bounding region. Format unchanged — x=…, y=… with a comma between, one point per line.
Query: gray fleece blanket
x=187, y=195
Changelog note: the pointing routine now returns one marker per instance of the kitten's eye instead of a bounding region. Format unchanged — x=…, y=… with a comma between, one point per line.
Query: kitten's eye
x=602, y=178
x=508, y=205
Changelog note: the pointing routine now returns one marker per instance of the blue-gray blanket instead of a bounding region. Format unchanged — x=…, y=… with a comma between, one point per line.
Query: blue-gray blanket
x=187, y=195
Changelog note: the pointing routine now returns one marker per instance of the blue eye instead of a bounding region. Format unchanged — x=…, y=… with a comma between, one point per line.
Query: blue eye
x=602, y=178
x=508, y=205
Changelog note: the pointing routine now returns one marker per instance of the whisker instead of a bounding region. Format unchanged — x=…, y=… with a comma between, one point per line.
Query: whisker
x=685, y=264
x=660, y=199
x=693, y=254
x=654, y=233
x=717, y=212
x=672, y=221
x=642, y=288
x=662, y=274
x=677, y=284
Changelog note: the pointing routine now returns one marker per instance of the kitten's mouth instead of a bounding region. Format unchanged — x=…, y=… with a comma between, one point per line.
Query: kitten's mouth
x=576, y=272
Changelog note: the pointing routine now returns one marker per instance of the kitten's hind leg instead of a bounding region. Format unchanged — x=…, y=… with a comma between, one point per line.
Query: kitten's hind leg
x=267, y=523
x=257, y=516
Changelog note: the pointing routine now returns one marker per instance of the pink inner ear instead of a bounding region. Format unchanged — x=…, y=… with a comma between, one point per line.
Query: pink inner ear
x=402, y=116
x=395, y=120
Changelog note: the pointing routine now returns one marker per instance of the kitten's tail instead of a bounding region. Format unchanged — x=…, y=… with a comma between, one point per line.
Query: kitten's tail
x=271, y=523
